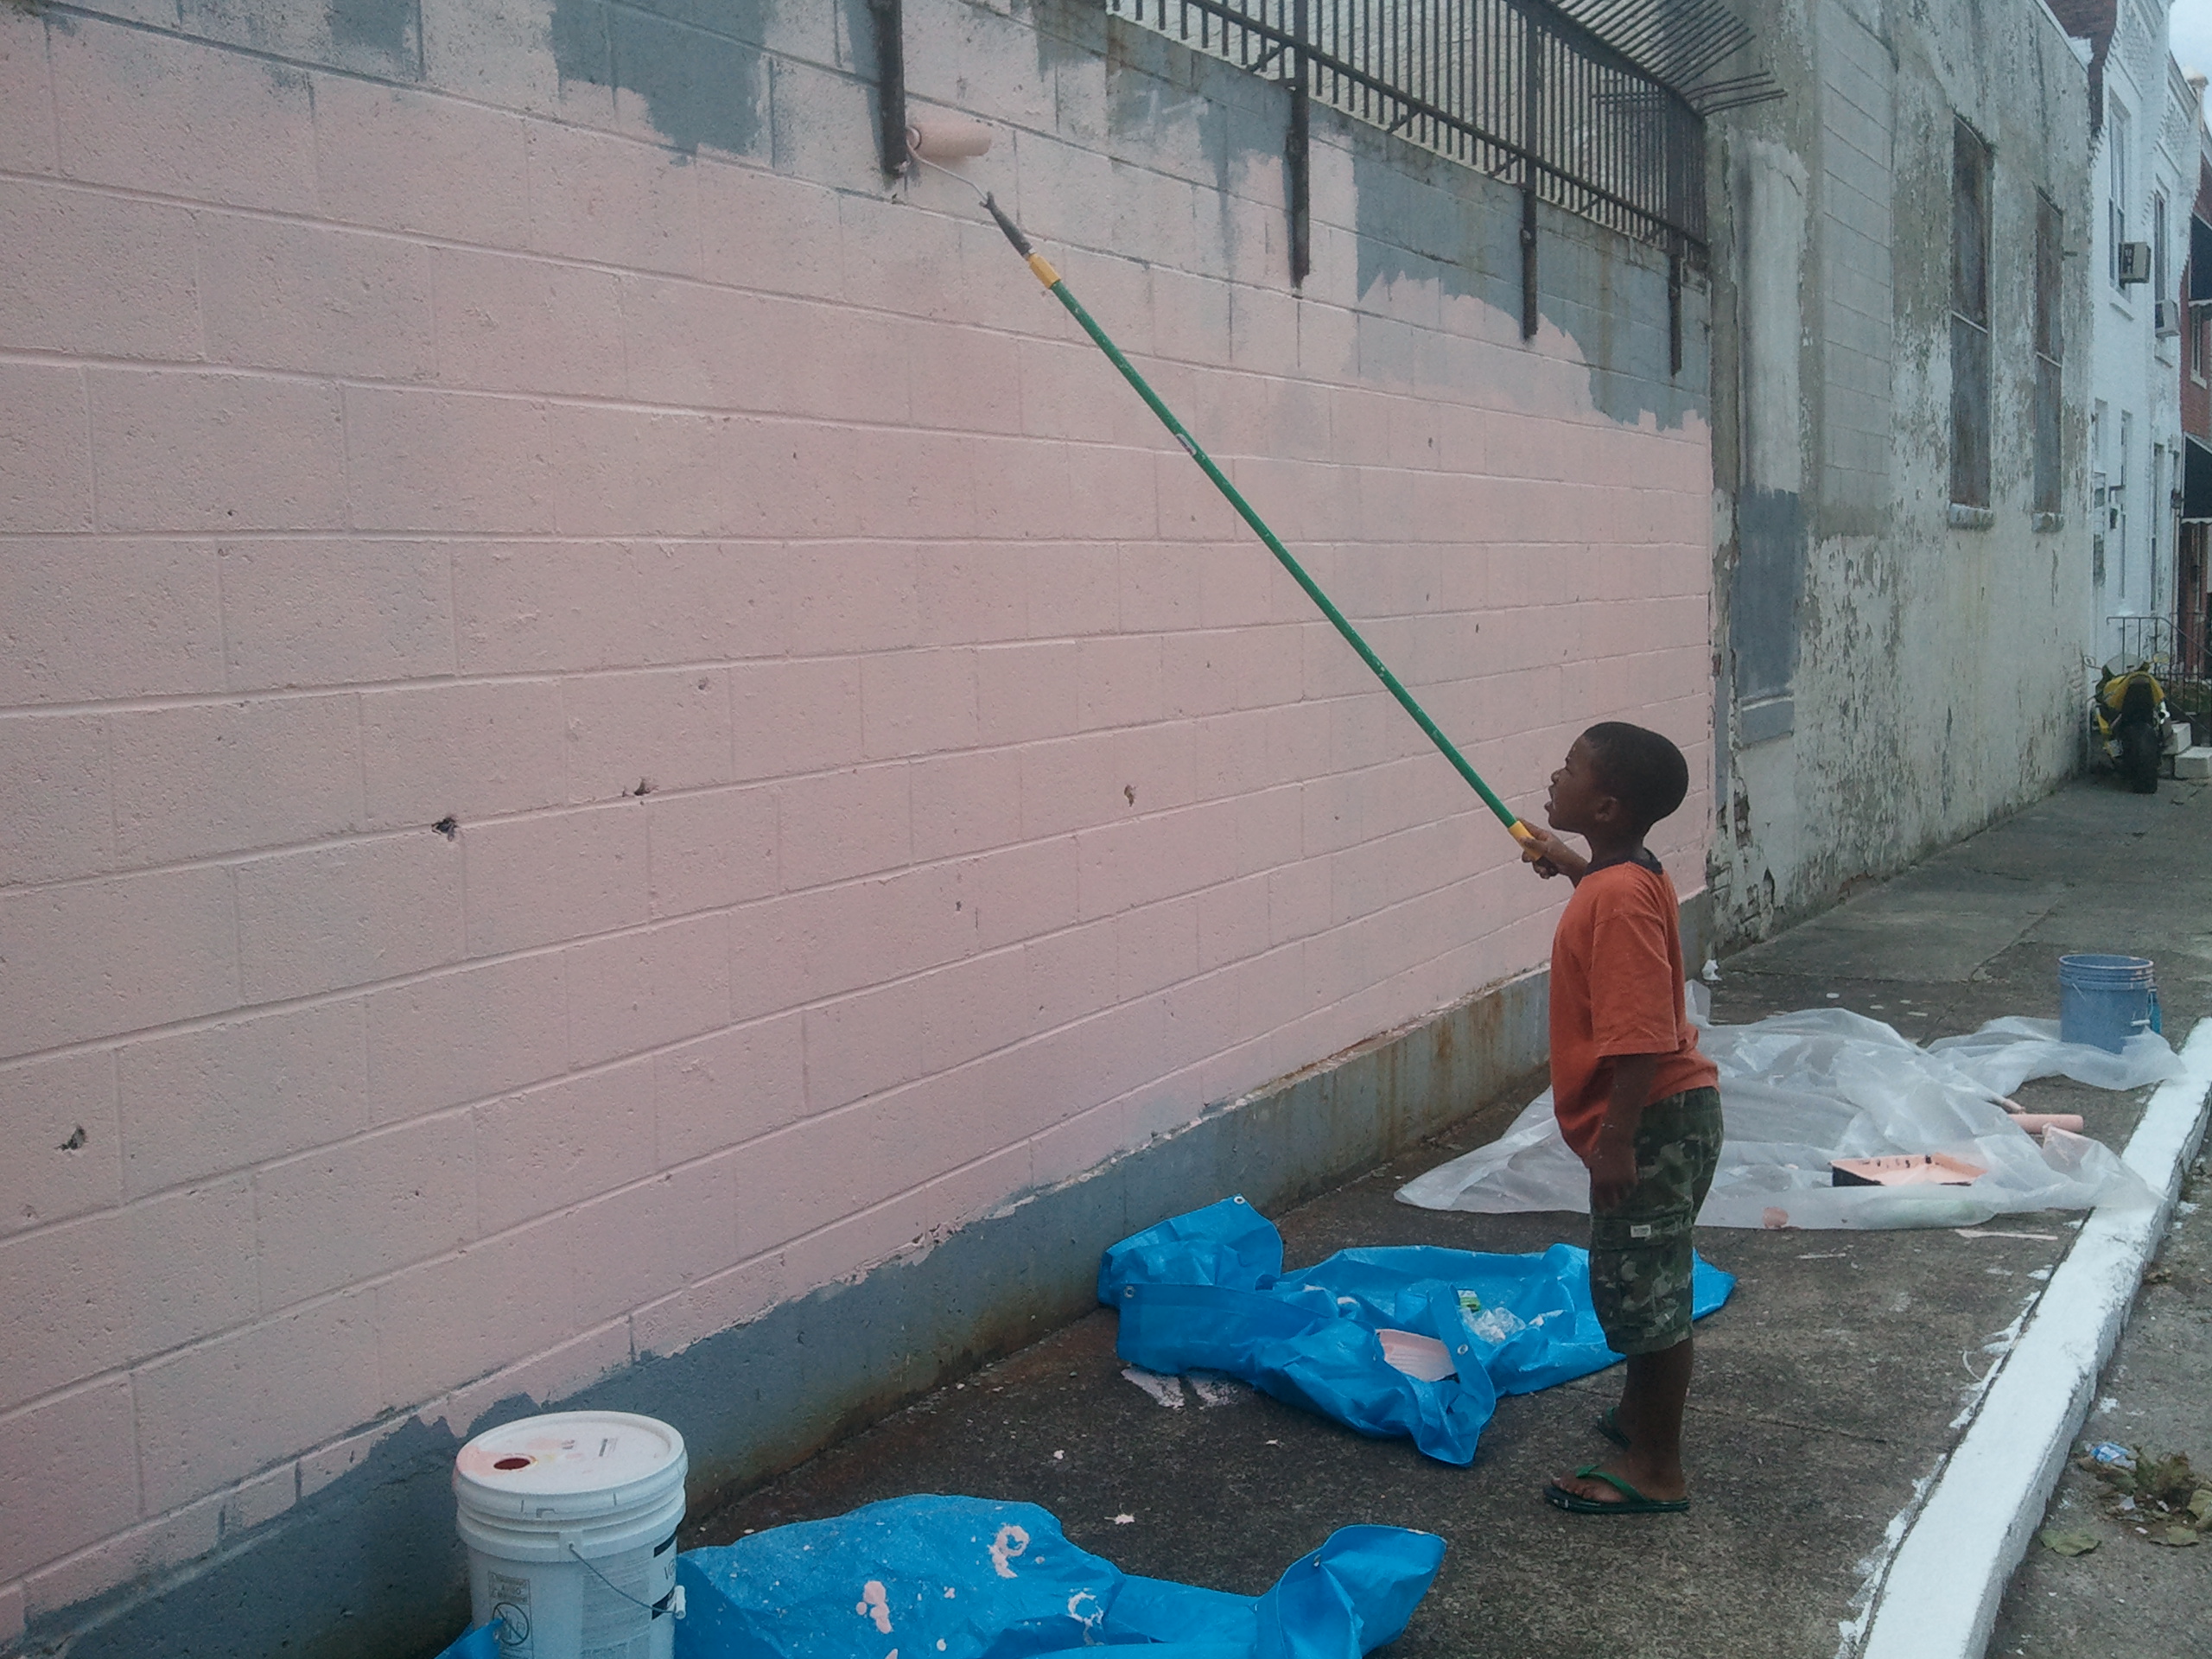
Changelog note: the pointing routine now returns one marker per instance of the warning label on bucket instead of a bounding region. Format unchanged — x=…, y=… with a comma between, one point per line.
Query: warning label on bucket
x=511, y=1606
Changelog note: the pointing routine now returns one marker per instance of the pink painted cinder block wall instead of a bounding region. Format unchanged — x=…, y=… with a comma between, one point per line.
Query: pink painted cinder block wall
x=884, y=778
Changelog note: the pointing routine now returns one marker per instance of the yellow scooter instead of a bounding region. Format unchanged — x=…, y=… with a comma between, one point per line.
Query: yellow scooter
x=2130, y=716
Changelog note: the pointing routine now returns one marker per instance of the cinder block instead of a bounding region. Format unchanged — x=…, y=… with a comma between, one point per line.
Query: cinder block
x=222, y=1097
x=632, y=1246
x=467, y=1034
x=69, y=1147
x=99, y=958
x=633, y=734
x=46, y=476
x=629, y=472
x=612, y=201
x=958, y=379
x=220, y=778
x=91, y=620
x=403, y=159
x=349, y=1212
x=439, y=461
x=332, y=918
x=68, y=1475
x=547, y=1148
x=71, y=1284
x=852, y=596
x=83, y=272
x=27, y=143
x=840, y=824
x=548, y=605
x=174, y=118
x=191, y=1269
x=710, y=849
x=57, y=818
x=917, y=485
x=331, y=613
x=1026, y=691
x=966, y=802
x=518, y=1285
x=728, y=1088
x=506, y=323
x=1118, y=680
x=2193, y=763
x=186, y=450
x=1126, y=864
x=692, y=79
x=637, y=991
x=315, y=299
x=762, y=231
x=1023, y=488
x=556, y=876
x=712, y=603
x=1073, y=589
x=214, y=1414
x=917, y=701
x=471, y=750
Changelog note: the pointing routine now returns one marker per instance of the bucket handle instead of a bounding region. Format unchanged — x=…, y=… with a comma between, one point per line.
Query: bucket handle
x=2157, y=1020
x=671, y=1603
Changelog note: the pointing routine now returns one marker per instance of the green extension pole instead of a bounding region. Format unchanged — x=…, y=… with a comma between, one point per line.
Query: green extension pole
x=1043, y=269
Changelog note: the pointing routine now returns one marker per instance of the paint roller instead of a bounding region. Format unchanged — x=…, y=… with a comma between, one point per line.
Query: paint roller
x=935, y=140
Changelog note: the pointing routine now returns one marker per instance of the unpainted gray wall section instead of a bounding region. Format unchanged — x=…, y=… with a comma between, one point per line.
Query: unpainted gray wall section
x=370, y=1567
x=1424, y=218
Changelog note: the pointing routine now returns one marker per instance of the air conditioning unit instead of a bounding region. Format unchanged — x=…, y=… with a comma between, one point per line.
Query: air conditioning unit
x=2165, y=319
x=2134, y=262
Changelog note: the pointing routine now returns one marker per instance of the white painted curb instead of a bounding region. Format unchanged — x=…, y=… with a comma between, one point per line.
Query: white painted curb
x=1940, y=1598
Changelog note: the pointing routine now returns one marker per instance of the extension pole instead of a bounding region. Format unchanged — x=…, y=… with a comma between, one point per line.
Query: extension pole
x=1042, y=269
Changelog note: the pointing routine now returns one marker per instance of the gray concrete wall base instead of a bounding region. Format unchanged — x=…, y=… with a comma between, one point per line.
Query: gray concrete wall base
x=370, y=1567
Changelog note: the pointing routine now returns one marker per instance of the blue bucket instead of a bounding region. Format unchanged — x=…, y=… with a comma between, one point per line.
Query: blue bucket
x=2104, y=1001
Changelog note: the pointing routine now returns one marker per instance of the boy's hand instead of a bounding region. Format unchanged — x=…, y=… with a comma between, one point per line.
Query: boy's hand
x=1612, y=1171
x=1548, y=855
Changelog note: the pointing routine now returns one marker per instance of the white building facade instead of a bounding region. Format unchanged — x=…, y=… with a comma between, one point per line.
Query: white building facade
x=2143, y=176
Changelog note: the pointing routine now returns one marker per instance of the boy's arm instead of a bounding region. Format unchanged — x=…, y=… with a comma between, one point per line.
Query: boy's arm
x=1549, y=856
x=1613, y=1163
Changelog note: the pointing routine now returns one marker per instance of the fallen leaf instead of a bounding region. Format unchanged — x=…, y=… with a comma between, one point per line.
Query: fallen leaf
x=2068, y=1541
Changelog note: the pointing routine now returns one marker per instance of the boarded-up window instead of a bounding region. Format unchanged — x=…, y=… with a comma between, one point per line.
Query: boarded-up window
x=2050, y=353
x=1969, y=318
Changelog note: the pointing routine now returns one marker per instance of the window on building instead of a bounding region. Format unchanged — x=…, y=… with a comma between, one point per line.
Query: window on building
x=2049, y=352
x=2116, y=202
x=1969, y=318
x=2161, y=290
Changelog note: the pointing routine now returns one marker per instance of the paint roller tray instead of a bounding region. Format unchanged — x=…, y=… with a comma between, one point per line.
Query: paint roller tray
x=1907, y=1169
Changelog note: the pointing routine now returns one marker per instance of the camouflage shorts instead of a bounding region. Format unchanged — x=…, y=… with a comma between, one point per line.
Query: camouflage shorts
x=1640, y=1253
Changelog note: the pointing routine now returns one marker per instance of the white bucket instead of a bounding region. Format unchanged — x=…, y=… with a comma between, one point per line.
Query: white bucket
x=570, y=1522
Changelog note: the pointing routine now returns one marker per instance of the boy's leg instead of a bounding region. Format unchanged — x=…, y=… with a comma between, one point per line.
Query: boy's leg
x=1640, y=1265
x=1653, y=1397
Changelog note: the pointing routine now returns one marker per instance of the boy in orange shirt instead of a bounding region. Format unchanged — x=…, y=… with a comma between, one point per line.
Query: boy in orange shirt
x=1635, y=1099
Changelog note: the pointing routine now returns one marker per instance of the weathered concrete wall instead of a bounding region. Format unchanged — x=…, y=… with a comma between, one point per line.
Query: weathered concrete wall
x=1888, y=679
x=605, y=731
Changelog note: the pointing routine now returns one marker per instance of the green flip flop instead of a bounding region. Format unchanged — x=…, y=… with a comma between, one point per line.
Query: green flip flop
x=1609, y=1424
x=1632, y=1502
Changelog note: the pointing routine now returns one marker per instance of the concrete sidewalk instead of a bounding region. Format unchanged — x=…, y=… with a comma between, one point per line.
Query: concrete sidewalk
x=1828, y=1391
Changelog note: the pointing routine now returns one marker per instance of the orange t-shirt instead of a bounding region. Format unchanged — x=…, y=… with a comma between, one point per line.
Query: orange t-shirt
x=1617, y=989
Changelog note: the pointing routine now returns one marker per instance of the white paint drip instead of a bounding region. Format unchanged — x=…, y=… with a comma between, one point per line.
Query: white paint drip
x=1010, y=1542
x=1219, y=1390
x=875, y=1604
x=1091, y=1620
x=1166, y=1391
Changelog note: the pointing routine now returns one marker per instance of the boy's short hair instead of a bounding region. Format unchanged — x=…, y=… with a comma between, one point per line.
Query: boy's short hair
x=1640, y=769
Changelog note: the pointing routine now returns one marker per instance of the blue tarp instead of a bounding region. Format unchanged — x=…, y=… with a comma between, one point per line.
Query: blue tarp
x=964, y=1577
x=1206, y=1292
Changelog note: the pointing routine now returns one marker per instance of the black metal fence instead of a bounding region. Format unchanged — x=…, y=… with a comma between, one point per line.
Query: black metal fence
x=1525, y=91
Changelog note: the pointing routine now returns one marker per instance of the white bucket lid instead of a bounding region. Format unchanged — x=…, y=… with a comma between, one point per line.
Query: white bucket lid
x=570, y=1466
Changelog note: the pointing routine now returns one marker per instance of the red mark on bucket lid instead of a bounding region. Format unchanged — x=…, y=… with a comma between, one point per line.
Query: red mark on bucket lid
x=513, y=1463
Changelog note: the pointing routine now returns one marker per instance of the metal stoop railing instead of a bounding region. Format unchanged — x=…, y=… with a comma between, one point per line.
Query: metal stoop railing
x=1596, y=106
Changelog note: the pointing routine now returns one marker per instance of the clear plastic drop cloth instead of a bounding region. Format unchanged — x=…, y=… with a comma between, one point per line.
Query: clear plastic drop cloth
x=1799, y=1091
